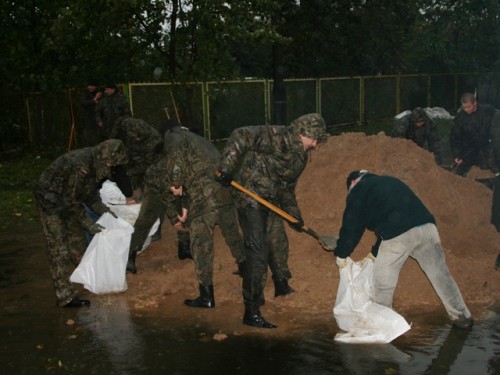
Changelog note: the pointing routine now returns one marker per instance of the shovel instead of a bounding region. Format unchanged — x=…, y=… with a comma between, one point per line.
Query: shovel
x=328, y=242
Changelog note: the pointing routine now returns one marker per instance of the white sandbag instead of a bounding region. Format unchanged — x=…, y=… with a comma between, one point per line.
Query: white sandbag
x=117, y=202
x=103, y=266
x=363, y=321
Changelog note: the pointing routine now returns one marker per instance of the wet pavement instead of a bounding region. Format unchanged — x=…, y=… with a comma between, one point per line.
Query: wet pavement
x=112, y=338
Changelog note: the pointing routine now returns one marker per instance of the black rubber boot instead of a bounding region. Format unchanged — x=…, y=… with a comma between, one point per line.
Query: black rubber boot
x=253, y=317
x=184, y=249
x=131, y=267
x=78, y=302
x=242, y=267
x=281, y=287
x=206, y=298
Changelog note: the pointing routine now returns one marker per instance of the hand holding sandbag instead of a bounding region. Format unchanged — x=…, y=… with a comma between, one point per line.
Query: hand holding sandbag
x=342, y=262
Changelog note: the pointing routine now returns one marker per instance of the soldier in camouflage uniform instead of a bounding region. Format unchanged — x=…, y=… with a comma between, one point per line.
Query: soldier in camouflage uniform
x=112, y=105
x=422, y=130
x=157, y=200
x=64, y=187
x=144, y=145
x=188, y=170
x=272, y=159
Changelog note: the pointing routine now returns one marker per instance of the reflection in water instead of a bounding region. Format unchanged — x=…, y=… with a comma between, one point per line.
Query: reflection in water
x=372, y=358
x=110, y=322
x=449, y=351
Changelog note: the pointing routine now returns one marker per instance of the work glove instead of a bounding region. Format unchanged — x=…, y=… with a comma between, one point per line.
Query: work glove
x=367, y=258
x=224, y=178
x=342, y=262
x=95, y=228
x=328, y=242
x=298, y=225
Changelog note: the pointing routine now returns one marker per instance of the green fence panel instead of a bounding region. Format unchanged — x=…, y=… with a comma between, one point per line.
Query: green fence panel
x=340, y=100
x=235, y=104
x=380, y=97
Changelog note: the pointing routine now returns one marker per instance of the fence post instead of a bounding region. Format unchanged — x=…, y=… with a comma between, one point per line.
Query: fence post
x=361, y=99
x=318, y=95
x=429, y=95
x=206, y=110
x=398, y=93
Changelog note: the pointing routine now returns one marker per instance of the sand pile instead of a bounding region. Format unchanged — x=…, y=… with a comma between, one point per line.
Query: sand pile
x=462, y=208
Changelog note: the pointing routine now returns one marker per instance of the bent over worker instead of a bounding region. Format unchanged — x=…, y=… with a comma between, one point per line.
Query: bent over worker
x=404, y=228
x=71, y=181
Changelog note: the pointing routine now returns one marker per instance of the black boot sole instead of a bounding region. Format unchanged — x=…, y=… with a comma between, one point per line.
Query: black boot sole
x=259, y=322
x=197, y=303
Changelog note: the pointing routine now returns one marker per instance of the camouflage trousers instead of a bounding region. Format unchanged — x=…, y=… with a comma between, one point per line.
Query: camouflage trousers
x=66, y=245
x=152, y=208
x=266, y=245
x=201, y=231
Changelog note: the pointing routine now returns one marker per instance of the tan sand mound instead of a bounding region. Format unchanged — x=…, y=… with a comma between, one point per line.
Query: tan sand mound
x=462, y=208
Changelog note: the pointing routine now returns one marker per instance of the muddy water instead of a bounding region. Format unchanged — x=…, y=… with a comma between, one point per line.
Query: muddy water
x=110, y=338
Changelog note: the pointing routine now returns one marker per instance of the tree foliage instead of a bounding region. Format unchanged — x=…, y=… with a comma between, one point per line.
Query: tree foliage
x=51, y=44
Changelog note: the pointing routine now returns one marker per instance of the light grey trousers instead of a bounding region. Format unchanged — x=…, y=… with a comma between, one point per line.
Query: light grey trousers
x=423, y=244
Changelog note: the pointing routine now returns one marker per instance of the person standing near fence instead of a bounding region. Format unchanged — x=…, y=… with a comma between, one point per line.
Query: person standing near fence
x=269, y=161
x=470, y=135
x=421, y=129
x=112, y=105
x=61, y=193
x=89, y=100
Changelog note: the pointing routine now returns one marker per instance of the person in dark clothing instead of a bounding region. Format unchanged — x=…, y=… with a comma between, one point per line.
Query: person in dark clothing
x=112, y=105
x=268, y=161
x=419, y=128
x=404, y=228
x=470, y=135
x=89, y=100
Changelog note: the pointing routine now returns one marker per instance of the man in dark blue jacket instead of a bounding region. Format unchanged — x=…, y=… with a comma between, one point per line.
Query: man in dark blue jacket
x=404, y=228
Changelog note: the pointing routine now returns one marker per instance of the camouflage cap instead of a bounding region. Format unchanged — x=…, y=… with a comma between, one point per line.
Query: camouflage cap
x=113, y=152
x=138, y=128
x=311, y=126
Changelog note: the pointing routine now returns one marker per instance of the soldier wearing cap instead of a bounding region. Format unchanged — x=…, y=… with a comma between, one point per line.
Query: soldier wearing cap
x=269, y=161
x=112, y=105
x=60, y=193
x=143, y=143
x=421, y=129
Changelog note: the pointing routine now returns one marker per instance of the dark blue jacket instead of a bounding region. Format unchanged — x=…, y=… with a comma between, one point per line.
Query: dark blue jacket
x=383, y=204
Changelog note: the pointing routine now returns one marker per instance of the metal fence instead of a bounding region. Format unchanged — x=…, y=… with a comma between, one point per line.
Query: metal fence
x=214, y=109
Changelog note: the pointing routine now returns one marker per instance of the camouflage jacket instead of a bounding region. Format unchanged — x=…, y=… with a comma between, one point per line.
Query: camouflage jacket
x=191, y=163
x=425, y=136
x=142, y=141
x=471, y=133
x=72, y=179
x=270, y=161
x=157, y=184
x=110, y=108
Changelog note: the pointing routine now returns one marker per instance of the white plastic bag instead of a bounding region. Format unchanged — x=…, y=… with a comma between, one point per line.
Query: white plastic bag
x=116, y=201
x=362, y=320
x=103, y=266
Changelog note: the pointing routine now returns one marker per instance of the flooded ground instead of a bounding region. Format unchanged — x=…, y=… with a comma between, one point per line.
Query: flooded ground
x=110, y=337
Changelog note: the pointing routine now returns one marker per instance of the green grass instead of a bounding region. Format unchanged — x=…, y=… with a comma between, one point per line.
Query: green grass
x=17, y=176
